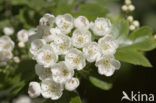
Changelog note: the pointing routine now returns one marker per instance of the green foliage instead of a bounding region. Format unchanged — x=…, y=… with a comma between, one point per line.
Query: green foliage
x=132, y=46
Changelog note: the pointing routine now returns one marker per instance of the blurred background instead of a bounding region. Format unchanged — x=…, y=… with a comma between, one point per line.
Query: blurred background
x=26, y=14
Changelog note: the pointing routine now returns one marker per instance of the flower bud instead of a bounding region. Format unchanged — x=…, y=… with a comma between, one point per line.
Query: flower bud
x=132, y=27
x=124, y=7
x=136, y=23
x=72, y=84
x=34, y=89
x=130, y=18
x=131, y=7
x=21, y=44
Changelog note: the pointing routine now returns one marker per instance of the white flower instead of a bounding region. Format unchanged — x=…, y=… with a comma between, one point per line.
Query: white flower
x=21, y=44
x=92, y=52
x=34, y=89
x=46, y=56
x=75, y=59
x=61, y=73
x=82, y=23
x=8, y=30
x=107, y=65
x=108, y=45
x=5, y=55
x=51, y=89
x=101, y=27
x=6, y=43
x=23, y=35
x=23, y=99
x=47, y=20
x=42, y=72
x=81, y=38
x=52, y=35
x=72, y=84
x=36, y=46
x=65, y=23
x=61, y=44
x=43, y=32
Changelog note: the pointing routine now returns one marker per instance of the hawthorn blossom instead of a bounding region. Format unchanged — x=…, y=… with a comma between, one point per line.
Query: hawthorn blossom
x=65, y=23
x=107, y=65
x=46, y=56
x=75, y=59
x=61, y=73
x=51, y=89
x=92, y=52
x=81, y=23
x=81, y=38
x=107, y=45
x=101, y=26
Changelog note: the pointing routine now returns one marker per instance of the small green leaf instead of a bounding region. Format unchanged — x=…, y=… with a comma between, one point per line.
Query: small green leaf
x=100, y=84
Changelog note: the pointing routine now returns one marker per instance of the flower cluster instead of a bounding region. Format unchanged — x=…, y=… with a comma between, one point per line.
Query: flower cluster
x=128, y=7
x=6, y=47
x=65, y=44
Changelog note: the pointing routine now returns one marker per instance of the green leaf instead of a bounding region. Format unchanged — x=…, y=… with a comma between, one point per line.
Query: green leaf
x=100, y=84
x=132, y=56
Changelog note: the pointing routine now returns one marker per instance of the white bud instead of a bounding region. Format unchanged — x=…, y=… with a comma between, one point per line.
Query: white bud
x=130, y=18
x=21, y=44
x=34, y=89
x=23, y=35
x=124, y=7
x=132, y=27
x=128, y=2
x=8, y=30
x=72, y=84
x=136, y=23
x=131, y=7
x=16, y=59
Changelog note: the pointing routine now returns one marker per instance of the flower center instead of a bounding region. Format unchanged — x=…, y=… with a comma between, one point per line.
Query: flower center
x=76, y=60
x=80, y=39
x=106, y=63
x=105, y=46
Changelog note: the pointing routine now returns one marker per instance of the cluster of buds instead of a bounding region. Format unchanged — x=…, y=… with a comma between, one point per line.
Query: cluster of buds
x=129, y=7
x=62, y=46
x=134, y=24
